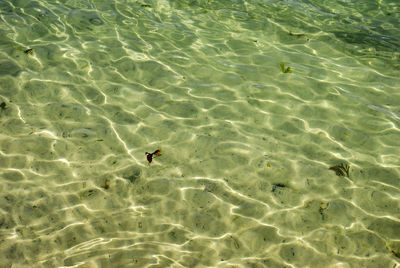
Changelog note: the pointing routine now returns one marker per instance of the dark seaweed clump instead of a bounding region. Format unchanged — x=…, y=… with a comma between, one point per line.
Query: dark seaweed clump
x=342, y=170
x=96, y=21
x=276, y=186
x=29, y=51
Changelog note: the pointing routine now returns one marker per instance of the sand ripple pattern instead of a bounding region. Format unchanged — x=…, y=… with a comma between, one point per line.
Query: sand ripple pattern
x=244, y=179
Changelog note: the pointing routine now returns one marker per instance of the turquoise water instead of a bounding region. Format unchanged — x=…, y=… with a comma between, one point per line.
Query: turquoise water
x=252, y=171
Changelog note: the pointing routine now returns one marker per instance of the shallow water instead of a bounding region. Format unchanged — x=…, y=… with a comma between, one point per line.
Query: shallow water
x=244, y=178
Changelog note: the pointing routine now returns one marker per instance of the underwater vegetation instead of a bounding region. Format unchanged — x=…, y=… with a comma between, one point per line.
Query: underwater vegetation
x=297, y=34
x=276, y=186
x=3, y=106
x=397, y=254
x=342, y=170
x=285, y=71
x=29, y=51
x=154, y=154
x=106, y=184
x=367, y=39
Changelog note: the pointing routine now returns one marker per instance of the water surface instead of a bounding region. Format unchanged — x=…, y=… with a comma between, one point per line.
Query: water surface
x=87, y=87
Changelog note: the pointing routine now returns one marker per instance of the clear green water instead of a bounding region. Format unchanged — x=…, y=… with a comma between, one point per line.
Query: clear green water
x=244, y=178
